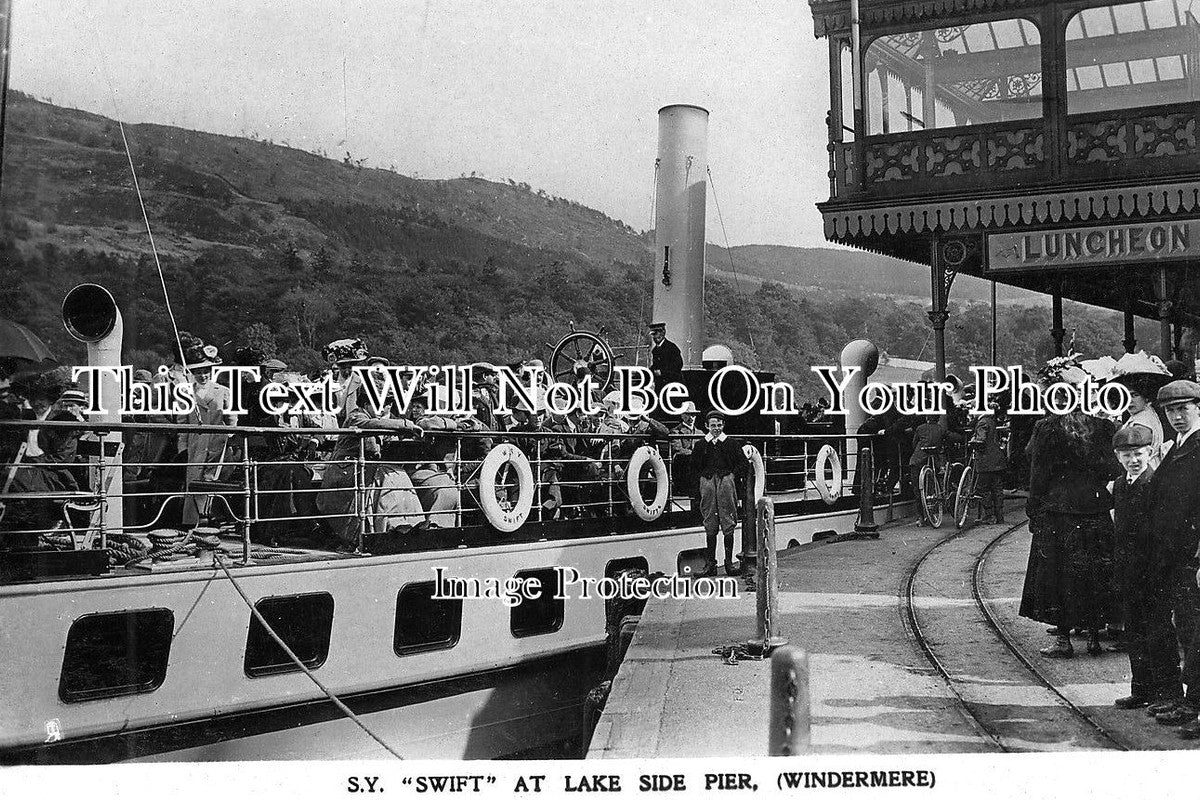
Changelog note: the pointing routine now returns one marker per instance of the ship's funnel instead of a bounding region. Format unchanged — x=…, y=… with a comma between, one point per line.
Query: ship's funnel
x=91, y=315
x=680, y=191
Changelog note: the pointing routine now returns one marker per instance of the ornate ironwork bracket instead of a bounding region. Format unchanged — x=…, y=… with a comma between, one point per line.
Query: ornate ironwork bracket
x=939, y=314
x=938, y=318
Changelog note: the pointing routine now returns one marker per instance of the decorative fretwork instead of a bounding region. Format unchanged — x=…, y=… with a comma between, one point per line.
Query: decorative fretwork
x=1118, y=138
x=953, y=155
x=1165, y=135
x=1110, y=204
x=831, y=18
x=1099, y=141
x=1024, y=85
x=906, y=41
x=1019, y=149
x=934, y=155
x=946, y=35
x=892, y=161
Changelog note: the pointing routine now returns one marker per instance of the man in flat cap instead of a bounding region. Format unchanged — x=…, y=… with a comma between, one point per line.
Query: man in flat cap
x=1174, y=537
x=718, y=461
x=666, y=362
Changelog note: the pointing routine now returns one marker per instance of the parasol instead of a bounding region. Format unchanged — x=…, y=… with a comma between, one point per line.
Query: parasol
x=22, y=347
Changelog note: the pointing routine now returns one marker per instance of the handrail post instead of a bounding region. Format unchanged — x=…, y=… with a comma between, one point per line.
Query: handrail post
x=791, y=713
x=360, y=505
x=102, y=494
x=865, y=524
x=458, y=479
x=609, y=473
x=538, y=497
x=767, y=598
x=249, y=506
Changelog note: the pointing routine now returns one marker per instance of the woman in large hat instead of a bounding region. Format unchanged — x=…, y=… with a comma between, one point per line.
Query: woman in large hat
x=1067, y=581
x=205, y=451
x=1143, y=375
x=337, y=483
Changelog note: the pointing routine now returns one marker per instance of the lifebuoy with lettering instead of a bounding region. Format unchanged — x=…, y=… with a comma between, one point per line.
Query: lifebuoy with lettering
x=643, y=455
x=828, y=460
x=505, y=516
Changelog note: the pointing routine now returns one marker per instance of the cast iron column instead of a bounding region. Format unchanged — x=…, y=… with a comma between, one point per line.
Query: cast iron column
x=1057, y=331
x=940, y=281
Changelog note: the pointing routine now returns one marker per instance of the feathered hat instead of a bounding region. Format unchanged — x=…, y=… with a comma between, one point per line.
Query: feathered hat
x=1144, y=373
x=202, y=356
x=345, y=351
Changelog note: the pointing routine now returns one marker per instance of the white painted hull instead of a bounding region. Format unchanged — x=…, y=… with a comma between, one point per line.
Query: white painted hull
x=490, y=695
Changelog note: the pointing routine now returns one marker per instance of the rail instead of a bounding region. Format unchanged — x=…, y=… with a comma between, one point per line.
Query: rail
x=336, y=488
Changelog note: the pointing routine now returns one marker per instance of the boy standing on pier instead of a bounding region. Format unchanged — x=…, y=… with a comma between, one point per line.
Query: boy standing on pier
x=1135, y=583
x=717, y=460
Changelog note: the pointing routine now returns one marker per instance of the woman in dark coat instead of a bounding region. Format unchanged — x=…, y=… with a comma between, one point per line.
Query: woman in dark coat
x=1067, y=582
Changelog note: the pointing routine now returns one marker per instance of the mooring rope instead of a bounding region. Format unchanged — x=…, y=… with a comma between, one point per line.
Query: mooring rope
x=296, y=660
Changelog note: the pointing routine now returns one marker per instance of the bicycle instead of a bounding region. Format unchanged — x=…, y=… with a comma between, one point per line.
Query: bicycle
x=966, y=497
x=937, y=485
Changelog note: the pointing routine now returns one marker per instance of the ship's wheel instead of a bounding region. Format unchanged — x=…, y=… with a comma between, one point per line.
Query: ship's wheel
x=583, y=354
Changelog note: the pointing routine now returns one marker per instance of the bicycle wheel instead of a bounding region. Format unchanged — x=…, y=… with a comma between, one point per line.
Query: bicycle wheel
x=954, y=471
x=964, y=498
x=931, y=497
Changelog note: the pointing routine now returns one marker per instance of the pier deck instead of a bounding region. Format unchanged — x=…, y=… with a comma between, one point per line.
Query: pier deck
x=903, y=658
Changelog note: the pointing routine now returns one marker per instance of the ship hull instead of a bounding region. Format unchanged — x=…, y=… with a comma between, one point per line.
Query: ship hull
x=493, y=693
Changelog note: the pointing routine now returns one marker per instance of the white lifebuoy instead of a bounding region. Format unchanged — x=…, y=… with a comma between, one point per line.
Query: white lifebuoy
x=760, y=471
x=830, y=491
x=505, y=519
x=640, y=457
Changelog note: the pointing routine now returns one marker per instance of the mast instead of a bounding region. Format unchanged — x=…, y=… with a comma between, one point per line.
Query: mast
x=5, y=39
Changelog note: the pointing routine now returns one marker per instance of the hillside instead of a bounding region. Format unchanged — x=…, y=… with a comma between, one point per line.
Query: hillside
x=848, y=273
x=286, y=249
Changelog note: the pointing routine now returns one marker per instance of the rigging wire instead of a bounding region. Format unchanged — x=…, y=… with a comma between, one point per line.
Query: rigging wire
x=653, y=266
x=138, y=189
x=296, y=660
x=736, y=281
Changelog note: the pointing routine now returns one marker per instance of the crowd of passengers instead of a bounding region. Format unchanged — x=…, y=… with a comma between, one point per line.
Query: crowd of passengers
x=305, y=480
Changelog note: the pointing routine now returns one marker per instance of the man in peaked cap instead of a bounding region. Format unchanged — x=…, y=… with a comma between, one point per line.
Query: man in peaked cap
x=1174, y=538
x=666, y=362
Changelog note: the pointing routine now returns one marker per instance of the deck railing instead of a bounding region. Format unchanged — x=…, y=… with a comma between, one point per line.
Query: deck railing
x=427, y=482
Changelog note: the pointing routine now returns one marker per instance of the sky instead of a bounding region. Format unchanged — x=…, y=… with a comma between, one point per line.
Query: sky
x=560, y=94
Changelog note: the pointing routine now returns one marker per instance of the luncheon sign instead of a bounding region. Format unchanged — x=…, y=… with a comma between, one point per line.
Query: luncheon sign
x=1176, y=240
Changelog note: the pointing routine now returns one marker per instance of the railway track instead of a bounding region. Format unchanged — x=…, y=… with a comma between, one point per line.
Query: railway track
x=1009, y=701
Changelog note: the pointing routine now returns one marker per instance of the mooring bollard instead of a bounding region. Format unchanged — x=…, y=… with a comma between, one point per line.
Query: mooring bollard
x=768, y=579
x=866, y=494
x=791, y=717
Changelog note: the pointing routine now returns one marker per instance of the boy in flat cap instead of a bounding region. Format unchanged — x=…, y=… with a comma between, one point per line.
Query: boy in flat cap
x=718, y=460
x=1174, y=536
x=1135, y=584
